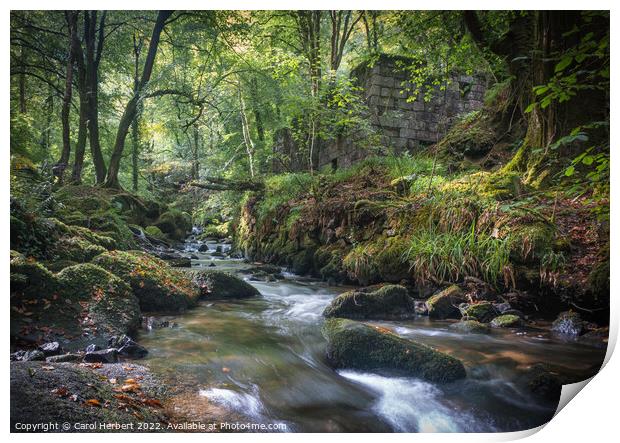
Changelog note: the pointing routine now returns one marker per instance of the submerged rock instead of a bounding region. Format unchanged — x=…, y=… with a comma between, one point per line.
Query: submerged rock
x=390, y=301
x=471, y=326
x=507, y=321
x=445, y=303
x=483, y=312
x=568, y=323
x=157, y=286
x=203, y=248
x=543, y=383
x=222, y=285
x=356, y=345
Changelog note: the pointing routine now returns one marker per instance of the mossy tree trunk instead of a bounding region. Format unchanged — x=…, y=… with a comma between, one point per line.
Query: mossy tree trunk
x=131, y=109
x=531, y=48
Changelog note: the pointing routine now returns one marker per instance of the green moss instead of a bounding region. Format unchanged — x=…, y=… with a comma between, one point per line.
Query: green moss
x=222, y=285
x=483, y=312
x=390, y=301
x=359, y=346
x=76, y=249
x=58, y=265
x=155, y=232
x=506, y=321
x=380, y=259
x=221, y=230
x=472, y=136
x=112, y=306
x=470, y=326
x=157, y=286
x=175, y=224
x=30, y=279
x=529, y=242
x=444, y=304
x=598, y=279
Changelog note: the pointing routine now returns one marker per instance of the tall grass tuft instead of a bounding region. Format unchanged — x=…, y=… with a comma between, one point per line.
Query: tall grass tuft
x=450, y=256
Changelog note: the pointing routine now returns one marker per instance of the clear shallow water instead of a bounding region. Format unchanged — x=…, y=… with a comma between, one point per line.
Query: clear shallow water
x=262, y=360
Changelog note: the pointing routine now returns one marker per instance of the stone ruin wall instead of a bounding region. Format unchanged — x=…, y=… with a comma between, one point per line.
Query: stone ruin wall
x=403, y=125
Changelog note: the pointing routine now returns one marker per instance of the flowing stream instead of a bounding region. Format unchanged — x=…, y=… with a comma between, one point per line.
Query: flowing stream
x=261, y=360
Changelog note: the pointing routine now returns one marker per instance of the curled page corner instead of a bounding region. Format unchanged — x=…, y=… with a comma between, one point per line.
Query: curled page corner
x=569, y=392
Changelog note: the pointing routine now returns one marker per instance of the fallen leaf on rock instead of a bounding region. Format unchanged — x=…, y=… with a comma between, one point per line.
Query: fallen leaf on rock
x=152, y=402
x=93, y=402
x=48, y=368
x=61, y=392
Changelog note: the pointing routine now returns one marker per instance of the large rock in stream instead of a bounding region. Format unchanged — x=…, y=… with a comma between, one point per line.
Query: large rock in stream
x=157, y=286
x=387, y=302
x=356, y=345
x=445, y=303
x=218, y=285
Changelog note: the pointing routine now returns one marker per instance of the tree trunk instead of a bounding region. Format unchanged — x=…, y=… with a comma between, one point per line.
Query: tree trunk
x=135, y=136
x=22, y=84
x=247, y=139
x=80, y=147
x=132, y=106
x=195, y=156
x=61, y=165
x=93, y=56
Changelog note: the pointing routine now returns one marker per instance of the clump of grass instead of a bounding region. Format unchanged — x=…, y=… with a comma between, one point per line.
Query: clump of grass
x=282, y=188
x=392, y=166
x=450, y=256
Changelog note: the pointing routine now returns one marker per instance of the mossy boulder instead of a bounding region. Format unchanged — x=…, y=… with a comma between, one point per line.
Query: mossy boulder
x=356, y=345
x=112, y=307
x=81, y=303
x=222, y=285
x=76, y=249
x=388, y=302
x=445, y=303
x=30, y=279
x=155, y=232
x=568, y=323
x=175, y=224
x=470, y=326
x=58, y=265
x=507, y=321
x=157, y=286
x=483, y=312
